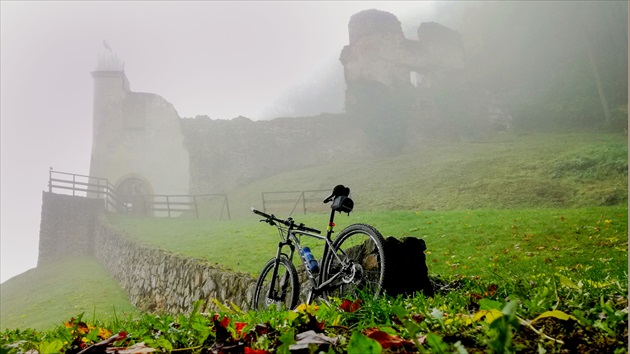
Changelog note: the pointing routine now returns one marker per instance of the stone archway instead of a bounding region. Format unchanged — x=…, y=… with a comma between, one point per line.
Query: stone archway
x=132, y=194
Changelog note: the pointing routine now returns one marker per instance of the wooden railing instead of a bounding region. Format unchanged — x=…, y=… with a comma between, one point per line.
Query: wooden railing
x=176, y=205
x=308, y=201
x=84, y=186
x=142, y=205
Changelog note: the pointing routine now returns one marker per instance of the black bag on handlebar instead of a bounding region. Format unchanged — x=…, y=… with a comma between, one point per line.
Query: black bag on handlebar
x=342, y=204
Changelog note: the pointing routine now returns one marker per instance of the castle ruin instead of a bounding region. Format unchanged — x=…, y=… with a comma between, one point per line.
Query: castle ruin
x=142, y=146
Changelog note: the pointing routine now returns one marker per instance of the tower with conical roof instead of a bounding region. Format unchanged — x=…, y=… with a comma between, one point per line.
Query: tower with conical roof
x=137, y=143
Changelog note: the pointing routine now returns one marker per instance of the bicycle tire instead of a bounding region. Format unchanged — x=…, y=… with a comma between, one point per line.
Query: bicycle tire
x=363, y=245
x=287, y=289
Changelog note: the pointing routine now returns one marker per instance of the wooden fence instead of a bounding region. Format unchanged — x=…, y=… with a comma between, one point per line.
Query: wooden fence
x=84, y=186
x=289, y=201
x=176, y=205
x=141, y=205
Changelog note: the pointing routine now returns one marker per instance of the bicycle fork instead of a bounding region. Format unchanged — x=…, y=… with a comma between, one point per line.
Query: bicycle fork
x=284, y=281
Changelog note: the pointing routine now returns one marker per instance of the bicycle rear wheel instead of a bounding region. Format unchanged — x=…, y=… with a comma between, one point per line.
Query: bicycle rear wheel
x=357, y=260
x=285, y=291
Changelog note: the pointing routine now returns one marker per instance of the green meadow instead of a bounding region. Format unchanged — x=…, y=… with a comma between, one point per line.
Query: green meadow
x=527, y=242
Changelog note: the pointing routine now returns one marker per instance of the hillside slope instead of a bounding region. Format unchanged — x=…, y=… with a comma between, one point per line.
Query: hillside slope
x=516, y=172
x=529, y=171
x=60, y=291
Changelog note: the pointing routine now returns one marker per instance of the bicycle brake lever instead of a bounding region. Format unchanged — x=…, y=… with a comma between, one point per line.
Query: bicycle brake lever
x=270, y=222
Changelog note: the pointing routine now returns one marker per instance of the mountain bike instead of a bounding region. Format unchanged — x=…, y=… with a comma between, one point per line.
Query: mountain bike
x=352, y=263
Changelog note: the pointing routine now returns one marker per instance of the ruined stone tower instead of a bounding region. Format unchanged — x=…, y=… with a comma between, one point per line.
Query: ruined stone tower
x=143, y=147
x=137, y=142
x=392, y=81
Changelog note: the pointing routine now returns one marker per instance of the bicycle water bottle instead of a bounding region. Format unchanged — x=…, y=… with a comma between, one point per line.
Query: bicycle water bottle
x=308, y=257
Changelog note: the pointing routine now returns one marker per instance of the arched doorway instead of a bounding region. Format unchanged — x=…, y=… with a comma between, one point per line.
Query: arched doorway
x=132, y=194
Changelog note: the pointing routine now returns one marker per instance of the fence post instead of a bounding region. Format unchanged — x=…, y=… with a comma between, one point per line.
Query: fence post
x=50, y=180
x=168, y=206
x=107, y=191
x=263, y=201
x=227, y=206
x=304, y=202
x=196, y=207
x=74, y=177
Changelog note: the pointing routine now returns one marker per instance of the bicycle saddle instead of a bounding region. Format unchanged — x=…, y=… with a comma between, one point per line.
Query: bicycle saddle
x=338, y=191
x=341, y=199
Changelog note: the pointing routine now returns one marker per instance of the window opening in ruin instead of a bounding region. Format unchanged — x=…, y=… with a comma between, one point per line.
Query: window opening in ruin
x=415, y=78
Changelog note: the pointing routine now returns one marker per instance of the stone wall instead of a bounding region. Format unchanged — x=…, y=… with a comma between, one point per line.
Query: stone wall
x=164, y=282
x=154, y=280
x=66, y=226
x=159, y=281
x=226, y=154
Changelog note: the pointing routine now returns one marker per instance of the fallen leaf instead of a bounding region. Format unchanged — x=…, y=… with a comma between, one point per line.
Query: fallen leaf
x=387, y=340
x=304, y=339
x=567, y=282
x=488, y=315
x=460, y=318
x=239, y=327
x=305, y=308
x=492, y=289
x=104, y=333
x=555, y=313
x=104, y=343
x=350, y=306
x=138, y=348
x=249, y=350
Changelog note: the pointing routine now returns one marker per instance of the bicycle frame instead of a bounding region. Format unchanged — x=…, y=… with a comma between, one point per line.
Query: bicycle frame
x=290, y=239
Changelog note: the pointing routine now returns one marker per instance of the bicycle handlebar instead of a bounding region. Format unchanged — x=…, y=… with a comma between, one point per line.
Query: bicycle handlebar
x=310, y=229
x=256, y=211
x=273, y=218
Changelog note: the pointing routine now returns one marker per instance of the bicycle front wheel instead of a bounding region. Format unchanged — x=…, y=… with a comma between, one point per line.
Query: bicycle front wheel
x=281, y=292
x=356, y=262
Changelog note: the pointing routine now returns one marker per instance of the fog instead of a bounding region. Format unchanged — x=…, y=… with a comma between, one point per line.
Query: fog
x=221, y=59
x=267, y=59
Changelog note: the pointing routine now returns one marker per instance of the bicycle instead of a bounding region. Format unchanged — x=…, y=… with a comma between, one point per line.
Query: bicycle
x=351, y=263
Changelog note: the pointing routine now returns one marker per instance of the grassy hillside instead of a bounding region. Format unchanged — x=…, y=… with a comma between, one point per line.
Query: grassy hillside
x=517, y=204
x=474, y=242
x=44, y=297
x=572, y=261
x=529, y=171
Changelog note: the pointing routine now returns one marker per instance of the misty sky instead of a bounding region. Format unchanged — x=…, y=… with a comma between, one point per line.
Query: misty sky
x=221, y=59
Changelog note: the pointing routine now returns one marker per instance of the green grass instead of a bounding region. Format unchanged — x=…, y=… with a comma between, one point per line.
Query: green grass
x=44, y=297
x=509, y=172
x=569, y=262
x=523, y=212
x=537, y=313
x=473, y=242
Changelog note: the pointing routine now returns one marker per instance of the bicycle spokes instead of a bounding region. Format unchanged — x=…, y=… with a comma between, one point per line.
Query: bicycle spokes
x=357, y=264
x=353, y=263
x=281, y=291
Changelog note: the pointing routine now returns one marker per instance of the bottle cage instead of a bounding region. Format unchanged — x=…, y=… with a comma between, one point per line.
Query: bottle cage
x=342, y=204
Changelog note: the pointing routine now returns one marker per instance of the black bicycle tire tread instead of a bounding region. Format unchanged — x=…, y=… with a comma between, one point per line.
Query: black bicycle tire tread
x=295, y=292
x=378, y=240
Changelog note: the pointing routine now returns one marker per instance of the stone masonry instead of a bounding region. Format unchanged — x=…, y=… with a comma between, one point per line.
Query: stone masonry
x=154, y=280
